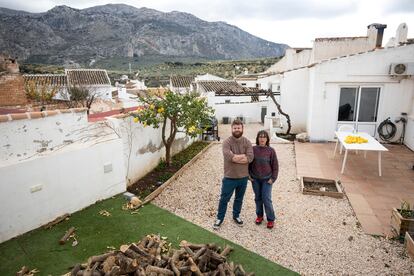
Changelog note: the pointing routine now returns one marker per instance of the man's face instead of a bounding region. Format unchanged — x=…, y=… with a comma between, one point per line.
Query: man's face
x=237, y=131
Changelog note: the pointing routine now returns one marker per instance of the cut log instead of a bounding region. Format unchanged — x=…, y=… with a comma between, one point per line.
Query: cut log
x=138, y=250
x=226, y=251
x=115, y=271
x=189, y=251
x=75, y=269
x=199, y=253
x=67, y=235
x=108, y=264
x=99, y=258
x=158, y=270
x=56, y=221
x=221, y=270
x=24, y=270
x=194, y=268
x=126, y=264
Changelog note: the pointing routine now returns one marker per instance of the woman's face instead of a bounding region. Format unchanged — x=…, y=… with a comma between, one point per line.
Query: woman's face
x=262, y=140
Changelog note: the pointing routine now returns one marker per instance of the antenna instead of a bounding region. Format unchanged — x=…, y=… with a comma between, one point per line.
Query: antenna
x=130, y=67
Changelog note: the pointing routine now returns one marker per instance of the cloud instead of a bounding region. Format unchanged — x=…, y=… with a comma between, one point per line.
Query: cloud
x=400, y=6
x=214, y=9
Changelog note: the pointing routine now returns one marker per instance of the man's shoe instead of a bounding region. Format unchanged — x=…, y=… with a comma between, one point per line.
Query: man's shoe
x=259, y=220
x=238, y=221
x=270, y=224
x=217, y=224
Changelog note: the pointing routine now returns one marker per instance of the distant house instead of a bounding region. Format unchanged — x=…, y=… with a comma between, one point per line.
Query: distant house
x=230, y=100
x=181, y=84
x=58, y=81
x=185, y=84
x=343, y=87
x=96, y=80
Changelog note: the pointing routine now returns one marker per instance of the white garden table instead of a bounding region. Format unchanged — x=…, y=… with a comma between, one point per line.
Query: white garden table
x=371, y=145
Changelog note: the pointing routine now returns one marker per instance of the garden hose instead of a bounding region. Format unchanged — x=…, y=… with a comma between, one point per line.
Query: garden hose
x=387, y=129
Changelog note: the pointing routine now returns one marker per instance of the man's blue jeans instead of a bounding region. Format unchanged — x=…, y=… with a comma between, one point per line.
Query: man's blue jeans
x=263, y=197
x=229, y=185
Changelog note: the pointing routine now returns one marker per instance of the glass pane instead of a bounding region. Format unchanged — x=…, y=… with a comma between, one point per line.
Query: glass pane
x=347, y=103
x=368, y=106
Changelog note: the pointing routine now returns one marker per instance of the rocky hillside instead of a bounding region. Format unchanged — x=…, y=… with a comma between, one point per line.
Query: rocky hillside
x=64, y=34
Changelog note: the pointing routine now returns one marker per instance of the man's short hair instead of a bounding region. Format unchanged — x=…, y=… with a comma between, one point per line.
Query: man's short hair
x=237, y=122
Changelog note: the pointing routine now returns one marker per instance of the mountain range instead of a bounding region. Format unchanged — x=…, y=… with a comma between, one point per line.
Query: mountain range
x=64, y=34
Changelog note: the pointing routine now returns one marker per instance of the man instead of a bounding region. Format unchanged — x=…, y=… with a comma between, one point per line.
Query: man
x=237, y=153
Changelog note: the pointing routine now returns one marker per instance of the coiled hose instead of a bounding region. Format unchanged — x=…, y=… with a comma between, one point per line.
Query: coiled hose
x=387, y=130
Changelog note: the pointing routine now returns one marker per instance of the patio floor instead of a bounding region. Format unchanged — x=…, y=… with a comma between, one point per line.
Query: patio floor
x=372, y=197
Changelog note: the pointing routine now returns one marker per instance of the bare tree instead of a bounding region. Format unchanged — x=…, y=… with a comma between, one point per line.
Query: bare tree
x=270, y=94
x=78, y=95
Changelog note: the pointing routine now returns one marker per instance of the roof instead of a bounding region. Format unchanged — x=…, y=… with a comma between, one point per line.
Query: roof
x=227, y=88
x=42, y=79
x=338, y=38
x=87, y=77
x=181, y=81
x=339, y=58
x=102, y=115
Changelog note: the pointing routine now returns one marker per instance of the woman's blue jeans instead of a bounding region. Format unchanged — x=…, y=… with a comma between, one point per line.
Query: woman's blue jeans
x=263, y=198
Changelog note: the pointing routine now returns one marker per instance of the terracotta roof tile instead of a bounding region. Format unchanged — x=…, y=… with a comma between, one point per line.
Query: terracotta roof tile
x=181, y=81
x=87, y=77
x=42, y=79
x=227, y=88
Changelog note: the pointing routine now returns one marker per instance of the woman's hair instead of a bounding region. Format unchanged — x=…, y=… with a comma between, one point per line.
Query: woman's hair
x=263, y=133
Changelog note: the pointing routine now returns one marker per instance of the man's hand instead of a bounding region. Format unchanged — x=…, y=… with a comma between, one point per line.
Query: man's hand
x=240, y=159
x=270, y=181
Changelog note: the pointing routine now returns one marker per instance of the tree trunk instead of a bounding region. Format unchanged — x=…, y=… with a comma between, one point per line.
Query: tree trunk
x=279, y=108
x=168, y=142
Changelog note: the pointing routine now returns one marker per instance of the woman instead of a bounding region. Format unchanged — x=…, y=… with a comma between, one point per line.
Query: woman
x=263, y=172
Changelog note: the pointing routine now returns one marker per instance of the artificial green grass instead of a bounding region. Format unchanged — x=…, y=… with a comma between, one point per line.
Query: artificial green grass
x=40, y=248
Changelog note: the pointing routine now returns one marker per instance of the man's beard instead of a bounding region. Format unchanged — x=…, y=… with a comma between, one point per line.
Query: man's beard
x=237, y=134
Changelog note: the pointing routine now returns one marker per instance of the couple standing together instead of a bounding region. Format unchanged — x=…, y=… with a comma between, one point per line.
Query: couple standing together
x=241, y=163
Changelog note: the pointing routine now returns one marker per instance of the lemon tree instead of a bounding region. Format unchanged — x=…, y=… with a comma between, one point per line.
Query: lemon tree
x=173, y=113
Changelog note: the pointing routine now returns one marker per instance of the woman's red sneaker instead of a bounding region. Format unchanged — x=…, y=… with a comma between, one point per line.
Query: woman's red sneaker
x=259, y=220
x=270, y=224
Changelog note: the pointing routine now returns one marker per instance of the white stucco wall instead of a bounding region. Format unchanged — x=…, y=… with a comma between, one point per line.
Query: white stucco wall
x=369, y=69
x=143, y=147
x=69, y=180
x=247, y=82
x=70, y=176
x=293, y=58
x=294, y=98
x=21, y=139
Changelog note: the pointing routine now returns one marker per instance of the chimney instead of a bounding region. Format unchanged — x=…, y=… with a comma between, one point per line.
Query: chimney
x=380, y=32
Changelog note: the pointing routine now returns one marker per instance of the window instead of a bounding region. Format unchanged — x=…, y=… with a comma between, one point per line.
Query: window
x=226, y=101
x=257, y=85
x=358, y=104
x=243, y=84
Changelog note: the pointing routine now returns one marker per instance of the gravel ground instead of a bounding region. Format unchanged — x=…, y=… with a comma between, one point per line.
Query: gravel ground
x=312, y=235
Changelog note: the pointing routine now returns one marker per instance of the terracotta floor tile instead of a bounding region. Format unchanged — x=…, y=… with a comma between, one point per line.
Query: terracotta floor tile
x=371, y=196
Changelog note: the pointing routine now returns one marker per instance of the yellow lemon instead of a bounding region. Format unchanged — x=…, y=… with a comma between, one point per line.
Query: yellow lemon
x=152, y=106
x=136, y=120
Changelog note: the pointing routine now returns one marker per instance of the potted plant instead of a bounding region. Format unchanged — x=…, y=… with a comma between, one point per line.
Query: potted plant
x=402, y=220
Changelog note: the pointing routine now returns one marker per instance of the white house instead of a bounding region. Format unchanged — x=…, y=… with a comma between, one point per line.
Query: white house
x=181, y=84
x=95, y=80
x=361, y=89
x=57, y=81
x=230, y=100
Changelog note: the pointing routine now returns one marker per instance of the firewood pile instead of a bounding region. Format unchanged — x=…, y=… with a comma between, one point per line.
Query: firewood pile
x=152, y=256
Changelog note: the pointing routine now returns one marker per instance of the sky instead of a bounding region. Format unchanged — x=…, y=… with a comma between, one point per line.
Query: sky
x=293, y=22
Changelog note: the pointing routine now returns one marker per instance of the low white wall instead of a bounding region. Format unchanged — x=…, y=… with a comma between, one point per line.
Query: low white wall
x=101, y=160
x=251, y=112
x=69, y=180
x=143, y=147
x=21, y=139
